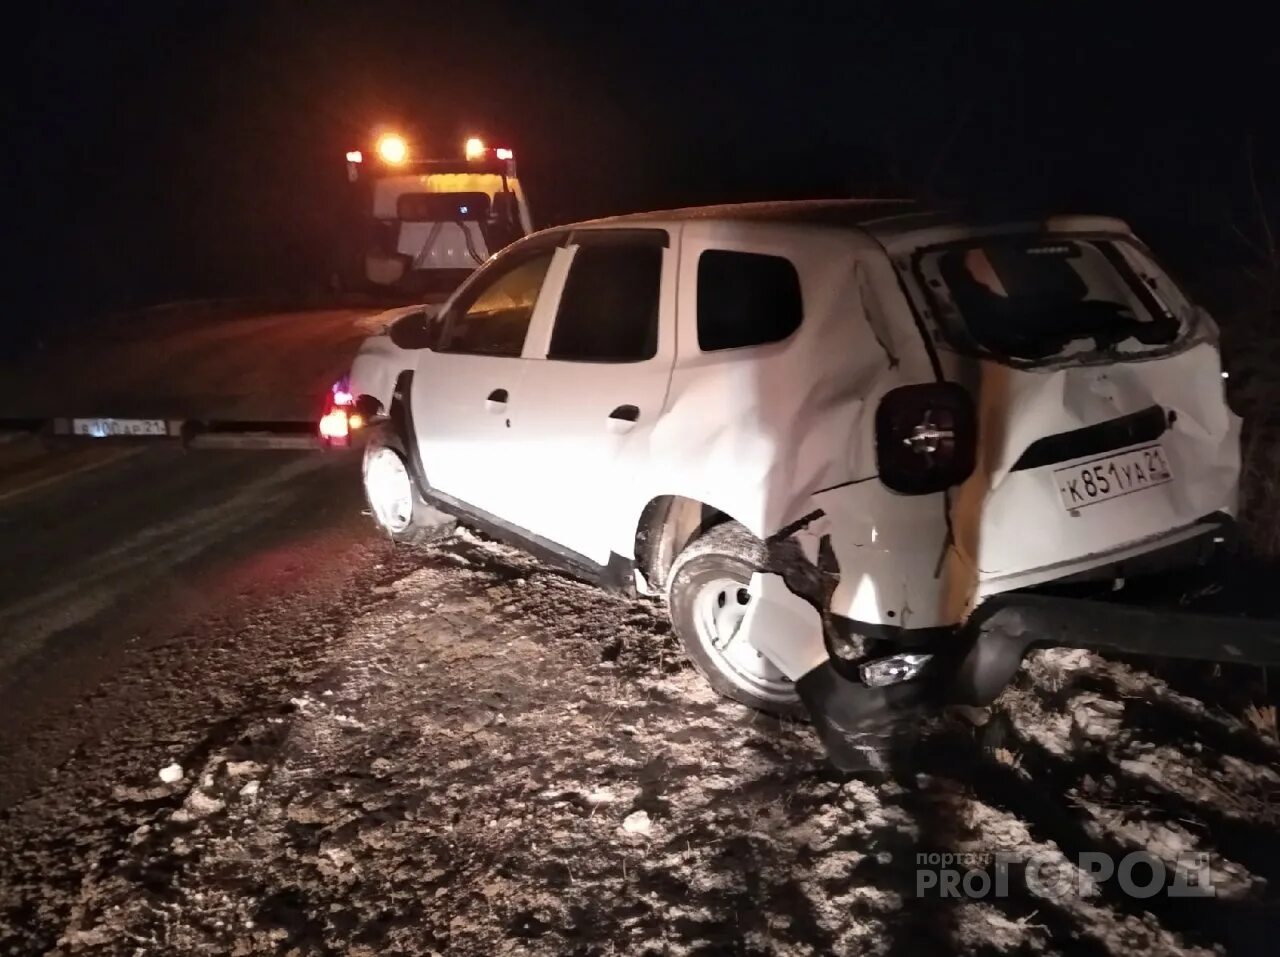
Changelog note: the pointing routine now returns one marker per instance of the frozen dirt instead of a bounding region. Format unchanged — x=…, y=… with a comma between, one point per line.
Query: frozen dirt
x=487, y=757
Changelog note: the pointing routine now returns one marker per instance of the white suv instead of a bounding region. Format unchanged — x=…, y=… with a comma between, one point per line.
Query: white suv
x=848, y=442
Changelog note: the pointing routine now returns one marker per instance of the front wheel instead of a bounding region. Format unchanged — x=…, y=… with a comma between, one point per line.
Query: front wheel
x=394, y=500
x=708, y=599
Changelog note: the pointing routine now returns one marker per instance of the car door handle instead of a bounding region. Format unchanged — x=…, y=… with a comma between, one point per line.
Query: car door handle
x=623, y=418
x=497, y=400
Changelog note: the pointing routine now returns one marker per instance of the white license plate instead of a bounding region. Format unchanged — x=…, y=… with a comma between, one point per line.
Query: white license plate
x=1100, y=480
x=104, y=428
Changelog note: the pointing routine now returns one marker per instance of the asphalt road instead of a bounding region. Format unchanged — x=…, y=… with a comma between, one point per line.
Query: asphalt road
x=111, y=554
x=108, y=552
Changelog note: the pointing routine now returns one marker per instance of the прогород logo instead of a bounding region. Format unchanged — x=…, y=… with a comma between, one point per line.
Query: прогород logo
x=1052, y=876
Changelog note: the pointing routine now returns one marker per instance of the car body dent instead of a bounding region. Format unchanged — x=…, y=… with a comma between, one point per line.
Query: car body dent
x=756, y=432
x=1201, y=444
x=783, y=627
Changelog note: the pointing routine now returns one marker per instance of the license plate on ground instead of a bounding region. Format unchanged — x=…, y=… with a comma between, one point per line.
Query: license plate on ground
x=1100, y=480
x=106, y=428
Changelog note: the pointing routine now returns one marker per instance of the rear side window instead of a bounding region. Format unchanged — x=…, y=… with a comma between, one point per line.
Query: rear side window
x=609, y=309
x=746, y=299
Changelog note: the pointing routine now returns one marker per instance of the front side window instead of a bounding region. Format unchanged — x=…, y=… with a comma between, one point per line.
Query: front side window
x=609, y=309
x=746, y=299
x=492, y=317
x=1033, y=298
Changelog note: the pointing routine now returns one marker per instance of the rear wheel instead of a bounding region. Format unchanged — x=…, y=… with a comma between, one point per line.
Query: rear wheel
x=708, y=599
x=394, y=499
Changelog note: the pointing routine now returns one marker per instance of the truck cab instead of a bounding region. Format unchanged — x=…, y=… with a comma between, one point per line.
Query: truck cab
x=427, y=224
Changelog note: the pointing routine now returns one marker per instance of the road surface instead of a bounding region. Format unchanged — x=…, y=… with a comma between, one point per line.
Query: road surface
x=233, y=720
x=112, y=552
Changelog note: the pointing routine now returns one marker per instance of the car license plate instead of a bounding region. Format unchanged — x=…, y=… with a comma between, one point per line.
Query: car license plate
x=105, y=428
x=1100, y=480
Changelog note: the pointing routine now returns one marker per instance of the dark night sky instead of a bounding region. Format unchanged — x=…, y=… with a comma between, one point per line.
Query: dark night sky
x=179, y=149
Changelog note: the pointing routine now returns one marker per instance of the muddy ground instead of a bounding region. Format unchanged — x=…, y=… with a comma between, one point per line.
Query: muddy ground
x=469, y=753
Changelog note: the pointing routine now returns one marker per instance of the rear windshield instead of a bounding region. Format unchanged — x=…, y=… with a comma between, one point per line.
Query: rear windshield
x=1040, y=298
x=441, y=207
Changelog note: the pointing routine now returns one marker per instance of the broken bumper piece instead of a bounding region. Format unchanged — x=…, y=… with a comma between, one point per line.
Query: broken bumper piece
x=862, y=729
x=859, y=726
x=1007, y=626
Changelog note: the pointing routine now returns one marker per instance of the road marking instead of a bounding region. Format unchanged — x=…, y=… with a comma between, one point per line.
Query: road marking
x=40, y=483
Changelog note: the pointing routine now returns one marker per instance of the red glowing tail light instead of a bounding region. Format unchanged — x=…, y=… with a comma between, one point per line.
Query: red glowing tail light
x=926, y=437
x=340, y=417
x=335, y=427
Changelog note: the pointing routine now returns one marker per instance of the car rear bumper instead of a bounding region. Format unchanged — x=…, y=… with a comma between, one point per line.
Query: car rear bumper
x=973, y=661
x=1192, y=544
x=859, y=725
x=1008, y=626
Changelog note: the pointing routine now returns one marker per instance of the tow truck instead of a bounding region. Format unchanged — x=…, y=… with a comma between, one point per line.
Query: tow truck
x=428, y=223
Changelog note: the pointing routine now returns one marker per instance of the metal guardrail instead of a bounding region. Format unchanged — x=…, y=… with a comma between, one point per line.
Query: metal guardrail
x=190, y=433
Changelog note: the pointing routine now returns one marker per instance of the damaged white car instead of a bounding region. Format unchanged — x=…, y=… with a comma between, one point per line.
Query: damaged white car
x=855, y=447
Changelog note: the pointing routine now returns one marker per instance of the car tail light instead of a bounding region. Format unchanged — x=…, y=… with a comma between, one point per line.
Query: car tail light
x=926, y=437
x=340, y=417
x=334, y=427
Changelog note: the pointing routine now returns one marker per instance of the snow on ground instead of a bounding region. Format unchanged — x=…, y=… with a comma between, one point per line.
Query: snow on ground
x=497, y=759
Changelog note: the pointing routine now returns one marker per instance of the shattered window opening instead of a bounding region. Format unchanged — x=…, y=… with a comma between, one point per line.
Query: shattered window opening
x=1035, y=298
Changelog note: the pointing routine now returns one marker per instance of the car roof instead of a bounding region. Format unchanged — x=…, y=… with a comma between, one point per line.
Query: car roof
x=820, y=212
x=888, y=220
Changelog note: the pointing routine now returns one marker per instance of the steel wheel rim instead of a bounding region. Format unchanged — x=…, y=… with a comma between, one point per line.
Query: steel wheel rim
x=390, y=492
x=718, y=609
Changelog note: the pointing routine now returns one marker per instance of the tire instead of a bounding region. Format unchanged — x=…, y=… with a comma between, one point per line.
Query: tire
x=712, y=573
x=401, y=513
